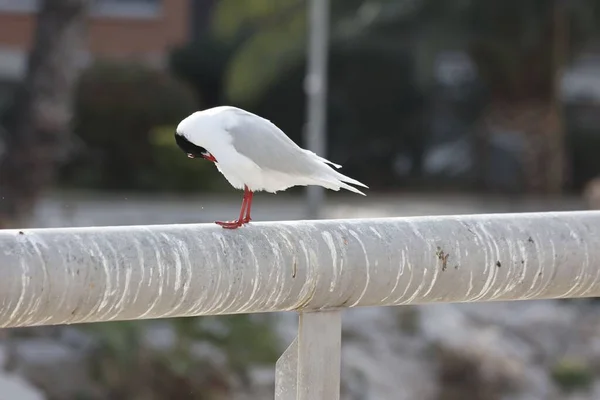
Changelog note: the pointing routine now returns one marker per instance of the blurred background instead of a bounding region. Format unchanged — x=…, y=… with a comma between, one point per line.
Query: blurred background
x=441, y=107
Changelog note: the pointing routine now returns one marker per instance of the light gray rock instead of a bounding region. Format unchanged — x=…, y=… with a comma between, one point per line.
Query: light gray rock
x=56, y=368
x=15, y=387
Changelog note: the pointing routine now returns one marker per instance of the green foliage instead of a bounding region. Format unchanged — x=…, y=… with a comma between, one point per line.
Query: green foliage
x=582, y=142
x=461, y=376
x=583, y=150
x=126, y=366
x=408, y=320
x=233, y=18
x=116, y=107
x=368, y=102
x=203, y=64
x=119, y=339
x=173, y=171
x=513, y=42
x=244, y=340
x=271, y=36
x=571, y=375
x=266, y=56
x=250, y=44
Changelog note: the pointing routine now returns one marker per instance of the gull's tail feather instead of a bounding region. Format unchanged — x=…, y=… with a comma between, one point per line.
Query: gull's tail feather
x=324, y=160
x=347, y=179
x=351, y=188
x=335, y=181
x=336, y=185
x=331, y=179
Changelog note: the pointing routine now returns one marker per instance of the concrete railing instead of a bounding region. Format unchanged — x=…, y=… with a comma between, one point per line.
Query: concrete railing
x=318, y=268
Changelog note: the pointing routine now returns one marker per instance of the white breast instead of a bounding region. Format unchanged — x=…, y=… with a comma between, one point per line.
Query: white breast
x=240, y=171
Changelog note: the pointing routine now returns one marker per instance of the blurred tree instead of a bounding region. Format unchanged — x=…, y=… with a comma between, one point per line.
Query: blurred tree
x=374, y=110
x=211, y=61
x=171, y=171
x=38, y=135
x=371, y=85
x=127, y=366
x=203, y=64
x=271, y=41
x=520, y=49
x=117, y=108
x=203, y=60
x=233, y=58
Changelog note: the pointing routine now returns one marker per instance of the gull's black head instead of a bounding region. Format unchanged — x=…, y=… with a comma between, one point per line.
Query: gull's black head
x=190, y=148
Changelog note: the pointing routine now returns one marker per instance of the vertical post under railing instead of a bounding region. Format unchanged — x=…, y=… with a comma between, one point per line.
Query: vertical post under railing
x=315, y=86
x=309, y=369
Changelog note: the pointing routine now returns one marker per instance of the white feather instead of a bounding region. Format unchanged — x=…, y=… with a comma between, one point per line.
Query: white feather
x=252, y=151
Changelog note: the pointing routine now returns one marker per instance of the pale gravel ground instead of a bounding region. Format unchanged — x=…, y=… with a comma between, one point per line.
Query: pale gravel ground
x=72, y=209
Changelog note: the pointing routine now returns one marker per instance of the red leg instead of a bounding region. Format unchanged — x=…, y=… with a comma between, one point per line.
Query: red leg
x=247, y=218
x=241, y=220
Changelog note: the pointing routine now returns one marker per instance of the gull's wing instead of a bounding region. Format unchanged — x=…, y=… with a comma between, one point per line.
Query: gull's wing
x=268, y=147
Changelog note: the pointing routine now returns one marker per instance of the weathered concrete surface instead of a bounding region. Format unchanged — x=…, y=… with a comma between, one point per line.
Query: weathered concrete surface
x=56, y=276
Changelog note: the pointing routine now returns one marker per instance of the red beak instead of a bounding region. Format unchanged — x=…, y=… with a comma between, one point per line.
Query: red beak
x=209, y=157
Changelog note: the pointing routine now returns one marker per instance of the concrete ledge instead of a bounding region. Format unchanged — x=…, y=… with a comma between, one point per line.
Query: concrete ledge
x=58, y=276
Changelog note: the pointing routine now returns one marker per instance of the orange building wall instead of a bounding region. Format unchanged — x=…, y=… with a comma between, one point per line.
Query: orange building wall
x=112, y=36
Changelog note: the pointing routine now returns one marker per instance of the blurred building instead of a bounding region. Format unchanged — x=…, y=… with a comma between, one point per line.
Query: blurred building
x=142, y=30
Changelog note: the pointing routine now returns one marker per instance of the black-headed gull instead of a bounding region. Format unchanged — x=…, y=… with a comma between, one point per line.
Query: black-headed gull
x=255, y=155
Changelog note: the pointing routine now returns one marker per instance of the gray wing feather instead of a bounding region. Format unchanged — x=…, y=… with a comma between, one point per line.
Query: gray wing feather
x=267, y=146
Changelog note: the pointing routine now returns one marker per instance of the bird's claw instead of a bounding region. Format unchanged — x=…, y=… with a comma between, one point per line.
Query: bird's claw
x=231, y=224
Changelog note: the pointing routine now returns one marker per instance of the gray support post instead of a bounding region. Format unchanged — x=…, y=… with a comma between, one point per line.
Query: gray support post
x=310, y=367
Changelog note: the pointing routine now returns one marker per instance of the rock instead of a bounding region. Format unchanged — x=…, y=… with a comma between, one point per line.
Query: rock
x=160, y=336
x=512, y=347
x=13, y=386
x=591, y=194
x=54, y=367
x=380, y=361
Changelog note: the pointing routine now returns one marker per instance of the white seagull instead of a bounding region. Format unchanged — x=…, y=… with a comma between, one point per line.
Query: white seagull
x=255, y=155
